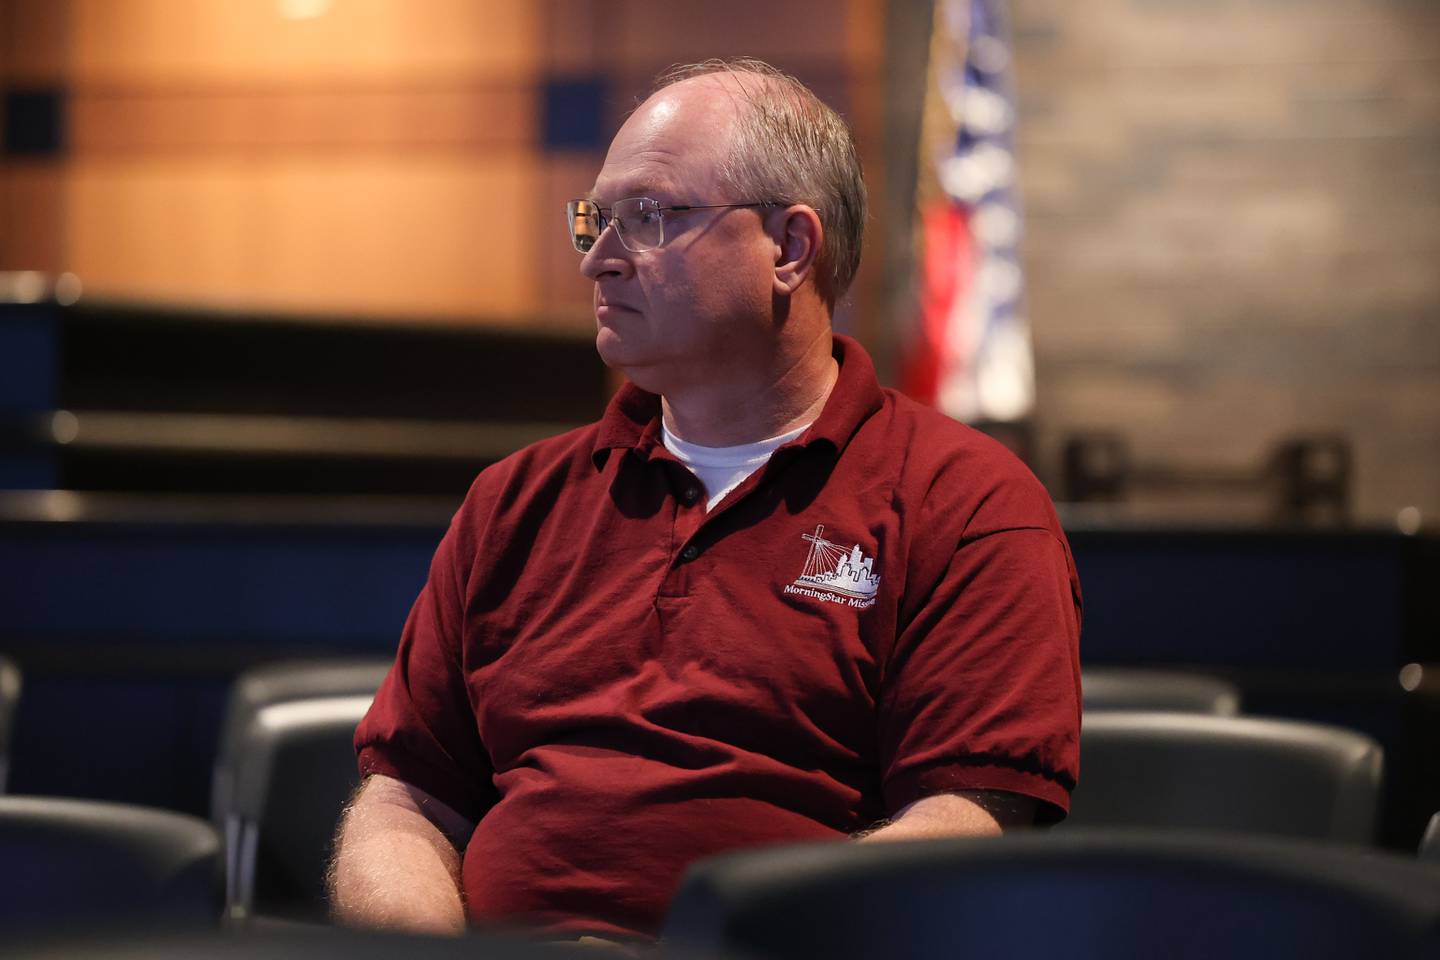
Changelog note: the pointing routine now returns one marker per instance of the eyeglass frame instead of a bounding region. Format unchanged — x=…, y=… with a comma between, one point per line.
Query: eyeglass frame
x=604, y=220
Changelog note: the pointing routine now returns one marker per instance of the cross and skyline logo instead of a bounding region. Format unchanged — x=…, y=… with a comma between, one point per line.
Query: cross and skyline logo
x=830, y=566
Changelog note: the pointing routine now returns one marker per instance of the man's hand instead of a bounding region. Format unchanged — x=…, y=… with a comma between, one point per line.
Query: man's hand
x=397, y=861
x=969, y=813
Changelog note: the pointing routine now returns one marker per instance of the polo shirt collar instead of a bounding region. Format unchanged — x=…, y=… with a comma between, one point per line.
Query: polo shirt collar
x=632, y=418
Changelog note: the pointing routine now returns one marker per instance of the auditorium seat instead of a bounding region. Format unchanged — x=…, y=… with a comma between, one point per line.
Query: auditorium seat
x=9, y=700
x=1243, y=774
x=1124, y=688
x=1032, y=895
x=294, y=769
x=66, y=863
x=270, y=683
x=277, y=683
x=1430, y=842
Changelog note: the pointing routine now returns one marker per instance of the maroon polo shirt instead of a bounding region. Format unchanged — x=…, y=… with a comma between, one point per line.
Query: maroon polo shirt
x=614, y=682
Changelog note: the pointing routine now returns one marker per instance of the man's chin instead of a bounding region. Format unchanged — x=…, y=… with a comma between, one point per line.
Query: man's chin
x=611, y=347
x=640, y=369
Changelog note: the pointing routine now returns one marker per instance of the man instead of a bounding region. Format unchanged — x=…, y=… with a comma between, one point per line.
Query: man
x=762, y=600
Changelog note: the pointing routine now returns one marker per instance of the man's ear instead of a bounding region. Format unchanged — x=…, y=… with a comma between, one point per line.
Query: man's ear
x=798, y=235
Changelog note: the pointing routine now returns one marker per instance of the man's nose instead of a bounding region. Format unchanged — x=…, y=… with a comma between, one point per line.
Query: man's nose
x=607, y=256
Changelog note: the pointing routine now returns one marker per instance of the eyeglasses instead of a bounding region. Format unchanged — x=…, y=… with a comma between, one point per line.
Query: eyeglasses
x=639, y=221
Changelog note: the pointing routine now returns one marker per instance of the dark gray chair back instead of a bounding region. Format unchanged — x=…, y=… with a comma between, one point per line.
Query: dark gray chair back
x=1086, y=894
x=1123, y=688
x=66, y=863
x=294, y=770
x=278, y=683
x=1241, y=774
x=9, y=700
x=1430, y=842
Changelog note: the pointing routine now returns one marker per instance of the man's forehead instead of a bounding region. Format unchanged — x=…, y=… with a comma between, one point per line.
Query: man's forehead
x=673, y=141
x=609, y=188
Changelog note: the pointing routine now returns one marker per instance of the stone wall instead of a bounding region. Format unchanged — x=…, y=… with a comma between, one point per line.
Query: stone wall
x=1233, y=230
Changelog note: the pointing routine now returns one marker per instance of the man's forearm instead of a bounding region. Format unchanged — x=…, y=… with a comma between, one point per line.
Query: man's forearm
x=968, y=814
x=393, y=867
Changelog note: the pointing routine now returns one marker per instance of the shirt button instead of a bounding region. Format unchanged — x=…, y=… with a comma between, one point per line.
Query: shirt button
x=691, y=494
x=690, y=553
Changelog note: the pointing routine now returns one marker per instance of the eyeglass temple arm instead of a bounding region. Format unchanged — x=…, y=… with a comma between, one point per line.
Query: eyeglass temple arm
x=715, y=206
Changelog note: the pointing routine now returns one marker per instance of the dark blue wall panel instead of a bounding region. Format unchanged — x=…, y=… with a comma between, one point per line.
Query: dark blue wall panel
x=130, y=636
x=1305, y=602
x=27, y=358
x=184, y=589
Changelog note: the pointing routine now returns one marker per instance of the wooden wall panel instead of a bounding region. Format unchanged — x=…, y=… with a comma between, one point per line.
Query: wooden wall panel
x=34, y=46
x=576, y=34
x=648, y=35
x=32, y=233
x=221, y=153
x=226, y=121
x=863, y=313
x=32, y=57
x=249, y=41
x=864, y=22
x=429, y=238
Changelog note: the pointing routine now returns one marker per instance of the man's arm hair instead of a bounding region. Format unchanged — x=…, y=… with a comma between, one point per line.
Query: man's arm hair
x=966, y=813
x=397, y=860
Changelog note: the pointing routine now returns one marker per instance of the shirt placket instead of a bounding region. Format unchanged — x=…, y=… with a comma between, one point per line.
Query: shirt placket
x=687, y=516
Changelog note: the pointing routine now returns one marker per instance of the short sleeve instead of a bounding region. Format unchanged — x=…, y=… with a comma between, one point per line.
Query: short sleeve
x=982, y=688
x=421, y=728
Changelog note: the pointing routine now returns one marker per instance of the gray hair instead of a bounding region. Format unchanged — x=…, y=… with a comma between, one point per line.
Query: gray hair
x=789, y=147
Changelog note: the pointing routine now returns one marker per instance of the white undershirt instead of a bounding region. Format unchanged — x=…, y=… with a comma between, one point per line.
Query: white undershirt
x=722, y=469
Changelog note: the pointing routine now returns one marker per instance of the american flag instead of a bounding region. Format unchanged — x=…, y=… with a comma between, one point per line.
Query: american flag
x=970, y=355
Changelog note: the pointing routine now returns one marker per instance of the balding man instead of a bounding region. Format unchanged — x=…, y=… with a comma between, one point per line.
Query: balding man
x=761, y=600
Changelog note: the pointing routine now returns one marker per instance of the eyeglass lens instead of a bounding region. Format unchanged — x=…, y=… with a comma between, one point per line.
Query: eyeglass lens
x=585, y=226
x=638, y=220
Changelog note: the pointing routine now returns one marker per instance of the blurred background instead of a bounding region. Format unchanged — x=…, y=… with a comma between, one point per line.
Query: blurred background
x=277, y=277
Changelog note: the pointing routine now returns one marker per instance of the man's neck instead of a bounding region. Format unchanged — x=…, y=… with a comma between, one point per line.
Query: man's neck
x=776, y=400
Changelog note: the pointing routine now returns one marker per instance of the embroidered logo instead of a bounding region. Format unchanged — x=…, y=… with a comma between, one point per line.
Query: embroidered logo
x=836, y=574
